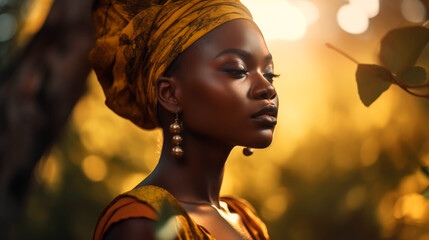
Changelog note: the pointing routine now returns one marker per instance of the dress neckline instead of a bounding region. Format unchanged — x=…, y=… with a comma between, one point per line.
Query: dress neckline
x=183, y=210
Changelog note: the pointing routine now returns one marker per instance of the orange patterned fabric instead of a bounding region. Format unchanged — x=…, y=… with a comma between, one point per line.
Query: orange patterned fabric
x=137, y=40
x=122, y=209
x=247, y=213
x=145, y=202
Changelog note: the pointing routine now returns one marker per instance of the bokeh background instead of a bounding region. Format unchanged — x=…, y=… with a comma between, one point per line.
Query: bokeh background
x=335, y=170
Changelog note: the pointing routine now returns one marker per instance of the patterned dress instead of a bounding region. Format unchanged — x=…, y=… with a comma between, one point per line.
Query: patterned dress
x=147, y=201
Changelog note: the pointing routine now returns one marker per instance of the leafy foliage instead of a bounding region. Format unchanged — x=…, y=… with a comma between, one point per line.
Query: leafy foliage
x=372, y=81
x=412, y=76
x=399, y=51
x=401, y=47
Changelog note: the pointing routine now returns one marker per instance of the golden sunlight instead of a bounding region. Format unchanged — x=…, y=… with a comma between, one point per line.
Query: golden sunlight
x=48, y=170
x=95, y=168
x=310, y=11
x=275, y=205
x=412, y=206
x=352, y=19
x=331, y=158
x=371, y=7
x=278, y=19
x=131, y=181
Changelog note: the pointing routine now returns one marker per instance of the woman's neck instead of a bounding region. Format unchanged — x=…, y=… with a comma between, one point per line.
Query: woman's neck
x=197, y=177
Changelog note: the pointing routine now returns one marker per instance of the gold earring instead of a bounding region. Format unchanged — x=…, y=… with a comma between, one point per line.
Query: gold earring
x=176, y=128
x=247, y=151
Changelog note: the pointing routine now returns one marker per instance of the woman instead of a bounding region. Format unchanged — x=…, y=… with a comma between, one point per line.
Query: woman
x=201, y=71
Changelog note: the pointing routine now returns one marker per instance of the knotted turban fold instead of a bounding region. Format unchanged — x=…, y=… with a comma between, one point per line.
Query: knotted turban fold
x=138, y=40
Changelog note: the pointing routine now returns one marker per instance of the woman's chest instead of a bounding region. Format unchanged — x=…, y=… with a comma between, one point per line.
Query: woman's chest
x=220, y=224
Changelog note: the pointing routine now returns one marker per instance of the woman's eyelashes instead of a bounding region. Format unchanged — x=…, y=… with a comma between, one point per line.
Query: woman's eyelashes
x=271, y=76
x=239, y=73
x=236, y=73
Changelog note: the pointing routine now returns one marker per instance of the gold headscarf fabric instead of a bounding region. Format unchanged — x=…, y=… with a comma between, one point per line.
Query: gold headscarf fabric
x=138, y=40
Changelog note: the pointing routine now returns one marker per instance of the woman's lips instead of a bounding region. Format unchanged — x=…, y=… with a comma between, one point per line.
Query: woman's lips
x=266, y=120
x=267, y=116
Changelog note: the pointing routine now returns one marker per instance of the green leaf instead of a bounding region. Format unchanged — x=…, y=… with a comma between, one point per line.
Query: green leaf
x=167, y=226
x=425, y=193
x=372, y=80
x=412, y=76
x=401, y=47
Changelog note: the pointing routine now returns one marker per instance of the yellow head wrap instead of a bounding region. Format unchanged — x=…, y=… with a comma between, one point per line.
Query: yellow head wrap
x=138, y=40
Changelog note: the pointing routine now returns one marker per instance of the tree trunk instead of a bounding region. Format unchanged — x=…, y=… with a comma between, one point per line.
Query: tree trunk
x=37, y=93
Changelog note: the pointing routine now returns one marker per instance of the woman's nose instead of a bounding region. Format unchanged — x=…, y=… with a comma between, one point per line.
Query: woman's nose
x=262, y=88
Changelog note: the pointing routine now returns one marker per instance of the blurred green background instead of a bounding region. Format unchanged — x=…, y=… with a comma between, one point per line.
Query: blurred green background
x=336, y=169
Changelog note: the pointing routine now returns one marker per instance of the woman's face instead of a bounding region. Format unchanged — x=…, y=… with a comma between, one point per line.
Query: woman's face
x=226, y=89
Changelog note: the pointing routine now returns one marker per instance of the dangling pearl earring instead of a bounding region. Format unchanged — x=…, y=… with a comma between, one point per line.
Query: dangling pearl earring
x=247, y=151
x=176, y=128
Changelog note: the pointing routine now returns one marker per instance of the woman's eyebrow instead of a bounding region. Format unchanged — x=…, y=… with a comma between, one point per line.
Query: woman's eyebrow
x=239, y=52
x=243, y=53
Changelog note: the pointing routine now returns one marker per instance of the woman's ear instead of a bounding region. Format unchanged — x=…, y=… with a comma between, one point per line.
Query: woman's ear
x=168, y=93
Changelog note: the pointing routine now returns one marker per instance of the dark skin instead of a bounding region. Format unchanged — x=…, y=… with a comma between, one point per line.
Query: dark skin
x=218, y=86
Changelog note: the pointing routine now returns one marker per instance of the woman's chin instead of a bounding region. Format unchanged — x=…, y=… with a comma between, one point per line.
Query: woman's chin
x=261, y=142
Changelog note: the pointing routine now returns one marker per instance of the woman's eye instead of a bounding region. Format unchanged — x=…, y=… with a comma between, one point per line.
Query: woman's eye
x=236, y=73
x=270, y=77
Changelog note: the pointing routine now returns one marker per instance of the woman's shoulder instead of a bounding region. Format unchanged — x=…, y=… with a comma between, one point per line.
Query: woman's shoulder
x=127, y=207
x=135, y=213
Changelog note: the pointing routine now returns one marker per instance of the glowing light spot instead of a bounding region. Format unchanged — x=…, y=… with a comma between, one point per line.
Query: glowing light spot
x=371, y=7
x=277, y=19
x=355, y=197
x=275, y=205
x=352, y=19
x=48, y=170
x=94, y=168
x=411, y=206
x=310, y=11
x=7, y=26
x=408, y=185
x=413, y=11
